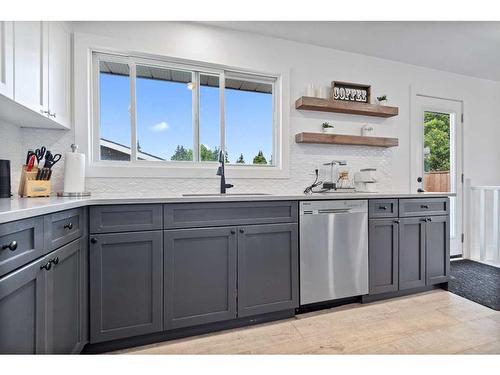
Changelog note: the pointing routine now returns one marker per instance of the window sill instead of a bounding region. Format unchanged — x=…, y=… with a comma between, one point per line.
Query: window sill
x=139, y=170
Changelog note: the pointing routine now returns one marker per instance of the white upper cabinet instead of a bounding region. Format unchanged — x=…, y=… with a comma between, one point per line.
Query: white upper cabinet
x=35, y=74
x=30, y=65
x=59, y=97
x=7, y=59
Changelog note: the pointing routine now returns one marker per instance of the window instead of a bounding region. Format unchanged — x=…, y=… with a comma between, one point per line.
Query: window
x=179, y=114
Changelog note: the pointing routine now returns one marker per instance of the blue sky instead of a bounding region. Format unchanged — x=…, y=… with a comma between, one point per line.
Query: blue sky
x=164, y=118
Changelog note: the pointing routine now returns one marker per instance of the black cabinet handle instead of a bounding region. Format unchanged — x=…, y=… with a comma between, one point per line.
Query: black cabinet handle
x=47, y=266
x=382, y=207
x=68, y=226
x=54, y=261
x=396, y=221
x=93, y=240
x=424, y=206
x=429, y=219
x=423, y=220
x=233, y=231
x=242, y=231
x=12, y=246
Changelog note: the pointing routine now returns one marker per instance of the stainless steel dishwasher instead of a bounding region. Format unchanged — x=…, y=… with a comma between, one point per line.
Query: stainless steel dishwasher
x=333, y=250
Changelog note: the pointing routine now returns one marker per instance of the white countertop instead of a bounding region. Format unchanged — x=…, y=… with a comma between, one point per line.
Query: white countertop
x=21, y=208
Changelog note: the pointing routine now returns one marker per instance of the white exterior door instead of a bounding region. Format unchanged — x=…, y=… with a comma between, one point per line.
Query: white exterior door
x=436, y=155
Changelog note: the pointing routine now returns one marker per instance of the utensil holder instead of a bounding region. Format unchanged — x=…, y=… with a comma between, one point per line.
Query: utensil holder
x=30, y=187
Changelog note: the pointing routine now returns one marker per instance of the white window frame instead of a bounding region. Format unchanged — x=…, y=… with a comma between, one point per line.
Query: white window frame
x=183, y=169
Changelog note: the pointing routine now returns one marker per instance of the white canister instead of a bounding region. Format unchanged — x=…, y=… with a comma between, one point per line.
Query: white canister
x=310, y=91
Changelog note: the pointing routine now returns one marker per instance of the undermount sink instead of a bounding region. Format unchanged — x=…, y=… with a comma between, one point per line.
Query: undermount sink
x=222, y=195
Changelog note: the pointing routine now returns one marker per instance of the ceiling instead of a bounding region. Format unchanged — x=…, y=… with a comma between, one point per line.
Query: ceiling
x=469, y=48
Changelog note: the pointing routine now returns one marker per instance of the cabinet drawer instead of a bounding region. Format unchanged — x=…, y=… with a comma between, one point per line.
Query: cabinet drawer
x=194, y=215
x=20, y=243
x=63, y=227
x=423, y=207
x=382, y=208
x=125, y=218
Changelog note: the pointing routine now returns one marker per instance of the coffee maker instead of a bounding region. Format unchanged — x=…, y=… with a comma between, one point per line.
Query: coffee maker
x=5, y=191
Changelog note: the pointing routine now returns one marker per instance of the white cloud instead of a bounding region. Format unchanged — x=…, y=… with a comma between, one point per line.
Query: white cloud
x=161, y=126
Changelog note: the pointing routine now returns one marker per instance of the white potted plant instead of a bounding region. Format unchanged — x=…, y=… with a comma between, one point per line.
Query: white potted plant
x=327, y=128
x=382, y=100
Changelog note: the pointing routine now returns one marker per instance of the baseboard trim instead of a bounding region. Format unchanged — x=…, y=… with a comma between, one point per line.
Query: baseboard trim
x=185, y=332
x=401, y=293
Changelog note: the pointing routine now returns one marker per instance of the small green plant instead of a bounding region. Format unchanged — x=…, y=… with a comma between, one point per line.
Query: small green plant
x=382, y=98
x=326, y=125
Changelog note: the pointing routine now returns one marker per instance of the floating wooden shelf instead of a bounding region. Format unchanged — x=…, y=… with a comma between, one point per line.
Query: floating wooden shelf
x=339, y=106
x=340, y=139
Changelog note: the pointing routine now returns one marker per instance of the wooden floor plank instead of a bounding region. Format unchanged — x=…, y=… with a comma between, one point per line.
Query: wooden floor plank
x=435, y=322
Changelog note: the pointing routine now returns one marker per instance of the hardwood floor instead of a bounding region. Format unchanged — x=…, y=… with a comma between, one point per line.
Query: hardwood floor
x=437, y=322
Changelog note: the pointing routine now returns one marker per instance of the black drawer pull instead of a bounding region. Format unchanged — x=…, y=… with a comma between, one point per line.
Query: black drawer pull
x=93, y=240
x=242, y=231
x=54, y=261
x=12, y=246
x=396, y=221
x=47, y=266
x=429, y=219
x=423, y=220
x=68, y=226
x=382, y=207
x=424, y=206
x=233, y=231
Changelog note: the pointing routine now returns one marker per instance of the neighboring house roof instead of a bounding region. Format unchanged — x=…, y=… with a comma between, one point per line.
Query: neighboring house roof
x=117, y=147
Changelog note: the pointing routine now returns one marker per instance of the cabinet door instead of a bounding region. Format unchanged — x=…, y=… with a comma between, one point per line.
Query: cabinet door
x=30, y=64
x=383, y=249
x=200, y=276
x=126, y=278
x=65, y=299
x=22, y=310
x=411, y=253
x=268, y=276
x=437, y=247
x=7, y=59
x=59, y=70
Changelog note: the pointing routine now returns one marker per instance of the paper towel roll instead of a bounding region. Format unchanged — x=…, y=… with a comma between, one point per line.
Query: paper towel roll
x=74, y=173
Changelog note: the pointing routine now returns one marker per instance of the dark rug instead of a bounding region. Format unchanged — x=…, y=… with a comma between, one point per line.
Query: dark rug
x=476, y=281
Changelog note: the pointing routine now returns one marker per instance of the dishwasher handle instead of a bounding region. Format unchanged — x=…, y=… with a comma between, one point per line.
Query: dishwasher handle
x=334, y=211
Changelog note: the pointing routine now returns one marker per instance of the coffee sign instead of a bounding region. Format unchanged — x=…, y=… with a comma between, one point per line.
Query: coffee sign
x=351, y=92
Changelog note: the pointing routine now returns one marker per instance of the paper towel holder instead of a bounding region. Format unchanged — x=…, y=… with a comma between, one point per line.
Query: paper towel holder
x=74, y=147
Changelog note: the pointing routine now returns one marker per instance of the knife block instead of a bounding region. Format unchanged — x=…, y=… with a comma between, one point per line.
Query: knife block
x=30, y=187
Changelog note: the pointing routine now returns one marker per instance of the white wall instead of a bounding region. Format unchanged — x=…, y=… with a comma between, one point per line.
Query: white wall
x=310, y=64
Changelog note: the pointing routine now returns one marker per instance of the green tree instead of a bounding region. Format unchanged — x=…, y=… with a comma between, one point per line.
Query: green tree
x=260, y=158
x=182, y=154
x=207, y=154
x=240, y=160
x=437, y=141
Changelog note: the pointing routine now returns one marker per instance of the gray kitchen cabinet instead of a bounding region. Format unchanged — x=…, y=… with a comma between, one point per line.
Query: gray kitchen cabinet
x=126, y=218
x=66, y=299
x=22, y=310
x=268, y=259
x=383, y=250
x=200, y=276
x=437, y=249
x=20, y=243
x=412, y=253
x=126, y=279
